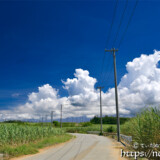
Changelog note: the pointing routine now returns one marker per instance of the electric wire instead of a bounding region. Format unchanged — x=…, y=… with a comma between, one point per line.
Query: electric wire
x=108, y=38
x=130, y=19
x=115, y=39
x=121, y=20
x=117, y=33
x=107, y=77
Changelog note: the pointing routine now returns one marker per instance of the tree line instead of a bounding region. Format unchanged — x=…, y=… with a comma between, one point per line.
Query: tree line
x=108, y=120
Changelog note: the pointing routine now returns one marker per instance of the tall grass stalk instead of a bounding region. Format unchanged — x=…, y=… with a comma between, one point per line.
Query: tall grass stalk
x=145, y=128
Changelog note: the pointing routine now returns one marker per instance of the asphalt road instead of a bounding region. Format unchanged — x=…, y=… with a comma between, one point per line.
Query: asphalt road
x=84, y=147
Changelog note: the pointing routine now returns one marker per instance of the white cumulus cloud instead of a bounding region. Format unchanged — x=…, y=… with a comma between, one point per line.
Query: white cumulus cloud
x=138, y=88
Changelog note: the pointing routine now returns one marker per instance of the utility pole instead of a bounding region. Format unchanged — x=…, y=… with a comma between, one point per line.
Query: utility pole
x=42, y=120
x=51, y=118
x=116, y=91
x=100, y=88
x=46, y=119
x=61, y=117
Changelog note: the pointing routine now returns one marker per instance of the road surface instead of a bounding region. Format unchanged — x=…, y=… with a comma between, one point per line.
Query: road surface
x=84, y=147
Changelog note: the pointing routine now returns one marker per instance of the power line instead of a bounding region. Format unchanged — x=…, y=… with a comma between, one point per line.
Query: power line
x=107, y=77
x=121, y=20
x=107, y=74
x=114, y=15
x=102, y=67
x=130, y=19
x=115, y=39
x=108, y=38
x=117, y=33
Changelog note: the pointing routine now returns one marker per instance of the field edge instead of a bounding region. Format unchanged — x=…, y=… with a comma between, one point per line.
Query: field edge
x=12, y=152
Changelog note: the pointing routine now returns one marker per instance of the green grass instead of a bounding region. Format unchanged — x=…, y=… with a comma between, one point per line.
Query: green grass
x=32, y=148
x=144, y=128
x=16, y=139
x=94, y=127
x=14, y=134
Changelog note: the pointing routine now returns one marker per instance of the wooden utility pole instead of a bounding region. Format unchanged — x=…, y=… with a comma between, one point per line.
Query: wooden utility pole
x=52, y=117
x=61, y=117
x=46, y=119
x=42, y=120
x=113, y=51
x=101, y=129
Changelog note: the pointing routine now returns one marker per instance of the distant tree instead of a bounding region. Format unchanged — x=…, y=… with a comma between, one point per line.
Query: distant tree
x=95, y=120
x=86, y=124
x=14, y=121
x=56, y=123
x=108, y=120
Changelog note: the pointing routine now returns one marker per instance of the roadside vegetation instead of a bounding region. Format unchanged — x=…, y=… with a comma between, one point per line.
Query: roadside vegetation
x=145, y=130
x=21, y=138
x=145, y=127
x=14, y=134
x=92, y=127
x=16, y=139
x=108, y=120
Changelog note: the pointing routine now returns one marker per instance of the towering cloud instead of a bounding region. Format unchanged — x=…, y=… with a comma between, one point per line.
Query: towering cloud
x=81, y=88
x=138, y=88
x=141, y=85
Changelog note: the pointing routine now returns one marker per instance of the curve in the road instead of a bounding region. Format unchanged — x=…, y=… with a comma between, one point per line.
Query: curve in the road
x=84, y=147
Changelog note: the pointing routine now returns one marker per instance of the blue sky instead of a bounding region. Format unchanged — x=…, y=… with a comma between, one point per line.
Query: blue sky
x=45, y=41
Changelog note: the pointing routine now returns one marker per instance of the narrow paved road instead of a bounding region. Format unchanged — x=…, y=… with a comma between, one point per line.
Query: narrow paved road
x=84, y=147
